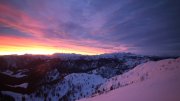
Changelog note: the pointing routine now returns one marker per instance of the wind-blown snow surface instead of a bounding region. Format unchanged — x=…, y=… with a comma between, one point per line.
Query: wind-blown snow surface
x=152, y=81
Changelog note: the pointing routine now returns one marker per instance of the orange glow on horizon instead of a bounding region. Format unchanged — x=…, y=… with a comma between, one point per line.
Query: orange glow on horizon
x=8, y=50
x=20, y=46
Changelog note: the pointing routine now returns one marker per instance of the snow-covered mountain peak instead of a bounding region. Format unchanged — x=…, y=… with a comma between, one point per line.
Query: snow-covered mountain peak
x=140, y=73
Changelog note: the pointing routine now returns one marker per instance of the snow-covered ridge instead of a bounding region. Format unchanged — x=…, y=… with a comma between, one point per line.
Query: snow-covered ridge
x=159, y=78
x=140, y=73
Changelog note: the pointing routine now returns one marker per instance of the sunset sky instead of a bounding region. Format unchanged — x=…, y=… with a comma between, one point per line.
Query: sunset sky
x=150, y=27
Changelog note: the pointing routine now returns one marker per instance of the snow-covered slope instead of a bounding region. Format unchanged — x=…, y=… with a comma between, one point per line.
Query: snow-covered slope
x=152, y=81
